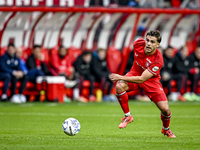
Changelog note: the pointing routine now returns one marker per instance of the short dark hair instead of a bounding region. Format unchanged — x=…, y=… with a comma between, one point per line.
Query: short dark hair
x=182, y=47
x=86, y=52
x=155, y=33
x=36, y=46
x=11, y=44
x=169, y=47
x=61, y=46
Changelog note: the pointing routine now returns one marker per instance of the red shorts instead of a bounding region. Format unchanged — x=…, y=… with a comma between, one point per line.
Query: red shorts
x=152, y=88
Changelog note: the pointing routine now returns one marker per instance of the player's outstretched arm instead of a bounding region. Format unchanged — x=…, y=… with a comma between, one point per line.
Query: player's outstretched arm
x=136, y=79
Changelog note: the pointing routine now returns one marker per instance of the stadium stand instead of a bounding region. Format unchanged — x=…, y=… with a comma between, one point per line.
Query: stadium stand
x=80, y=28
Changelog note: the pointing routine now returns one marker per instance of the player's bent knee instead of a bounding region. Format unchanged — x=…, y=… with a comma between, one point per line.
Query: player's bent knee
x=121, y=86
x=118, y=88
x=166, y=111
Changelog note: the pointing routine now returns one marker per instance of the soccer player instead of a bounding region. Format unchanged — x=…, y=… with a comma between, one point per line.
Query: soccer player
x=144, y=74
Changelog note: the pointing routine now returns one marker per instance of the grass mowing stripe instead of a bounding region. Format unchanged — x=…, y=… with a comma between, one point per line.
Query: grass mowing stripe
x=91, y=115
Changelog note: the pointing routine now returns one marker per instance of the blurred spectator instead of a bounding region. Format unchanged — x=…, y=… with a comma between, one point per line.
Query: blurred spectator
x=148, y=4
x=104, y=3
x=83, y=66
x=167, y=3
x=155, y=3
x=123, y=2
x=180, y=71
x=35, y=61
x=133, y=3
x=31, y=74
x=102, y=73
x=63, y=66
x=10, y=70
x=192, y=4
x=194, y=75
x=166, y=71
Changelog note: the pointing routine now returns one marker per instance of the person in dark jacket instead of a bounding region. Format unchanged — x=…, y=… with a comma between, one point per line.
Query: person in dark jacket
x=83, y=65
x=35, y=61
x=101, y=72
x=31, y=74
x=10, y=70
x=180, y=70
x=166, y=71
x=193, y=75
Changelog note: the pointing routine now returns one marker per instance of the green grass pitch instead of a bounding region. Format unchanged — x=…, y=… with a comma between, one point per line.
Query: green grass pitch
x=39, y=126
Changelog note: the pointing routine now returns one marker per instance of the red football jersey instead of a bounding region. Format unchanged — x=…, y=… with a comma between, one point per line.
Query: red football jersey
x=61, y=65
x=153, y=63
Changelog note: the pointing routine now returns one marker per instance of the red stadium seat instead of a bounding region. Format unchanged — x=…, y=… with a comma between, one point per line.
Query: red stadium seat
x=3, y=50
x=30, y=85
x=125, y=55
x=1, y=84
x=73, y=53
x=114, y=59
x=191, y=46
x=26, y=53
x=54, y=50
x=176, y=3
x=86, y=84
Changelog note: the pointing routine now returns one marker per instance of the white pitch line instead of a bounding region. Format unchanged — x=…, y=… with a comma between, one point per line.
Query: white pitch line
x=93, y=115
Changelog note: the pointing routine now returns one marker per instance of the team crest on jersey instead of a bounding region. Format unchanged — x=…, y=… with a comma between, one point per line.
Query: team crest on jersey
x=16, y=62
x=8, y=62
x=155, y=68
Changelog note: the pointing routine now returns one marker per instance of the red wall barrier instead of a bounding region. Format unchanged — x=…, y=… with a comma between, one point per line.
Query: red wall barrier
x=102, y=9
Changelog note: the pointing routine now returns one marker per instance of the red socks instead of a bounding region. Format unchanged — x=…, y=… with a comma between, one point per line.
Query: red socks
x=123, y=100
x=165, y=120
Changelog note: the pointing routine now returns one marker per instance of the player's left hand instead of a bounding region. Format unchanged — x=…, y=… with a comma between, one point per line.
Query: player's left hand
x=115, y=77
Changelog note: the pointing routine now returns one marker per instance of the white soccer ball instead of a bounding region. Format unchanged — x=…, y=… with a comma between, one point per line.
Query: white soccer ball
x=71, y=126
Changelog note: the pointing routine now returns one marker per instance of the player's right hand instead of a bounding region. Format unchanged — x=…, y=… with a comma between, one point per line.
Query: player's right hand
x=115, y=77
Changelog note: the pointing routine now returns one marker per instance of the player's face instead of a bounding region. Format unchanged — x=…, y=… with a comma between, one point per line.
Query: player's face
x=169, y=52
x=11, y=51
x=63, y=52
x=19, y=53
x=102, y=55
x=151, y=44
x=184, y=52
x=87, y=58
x=36, y=52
